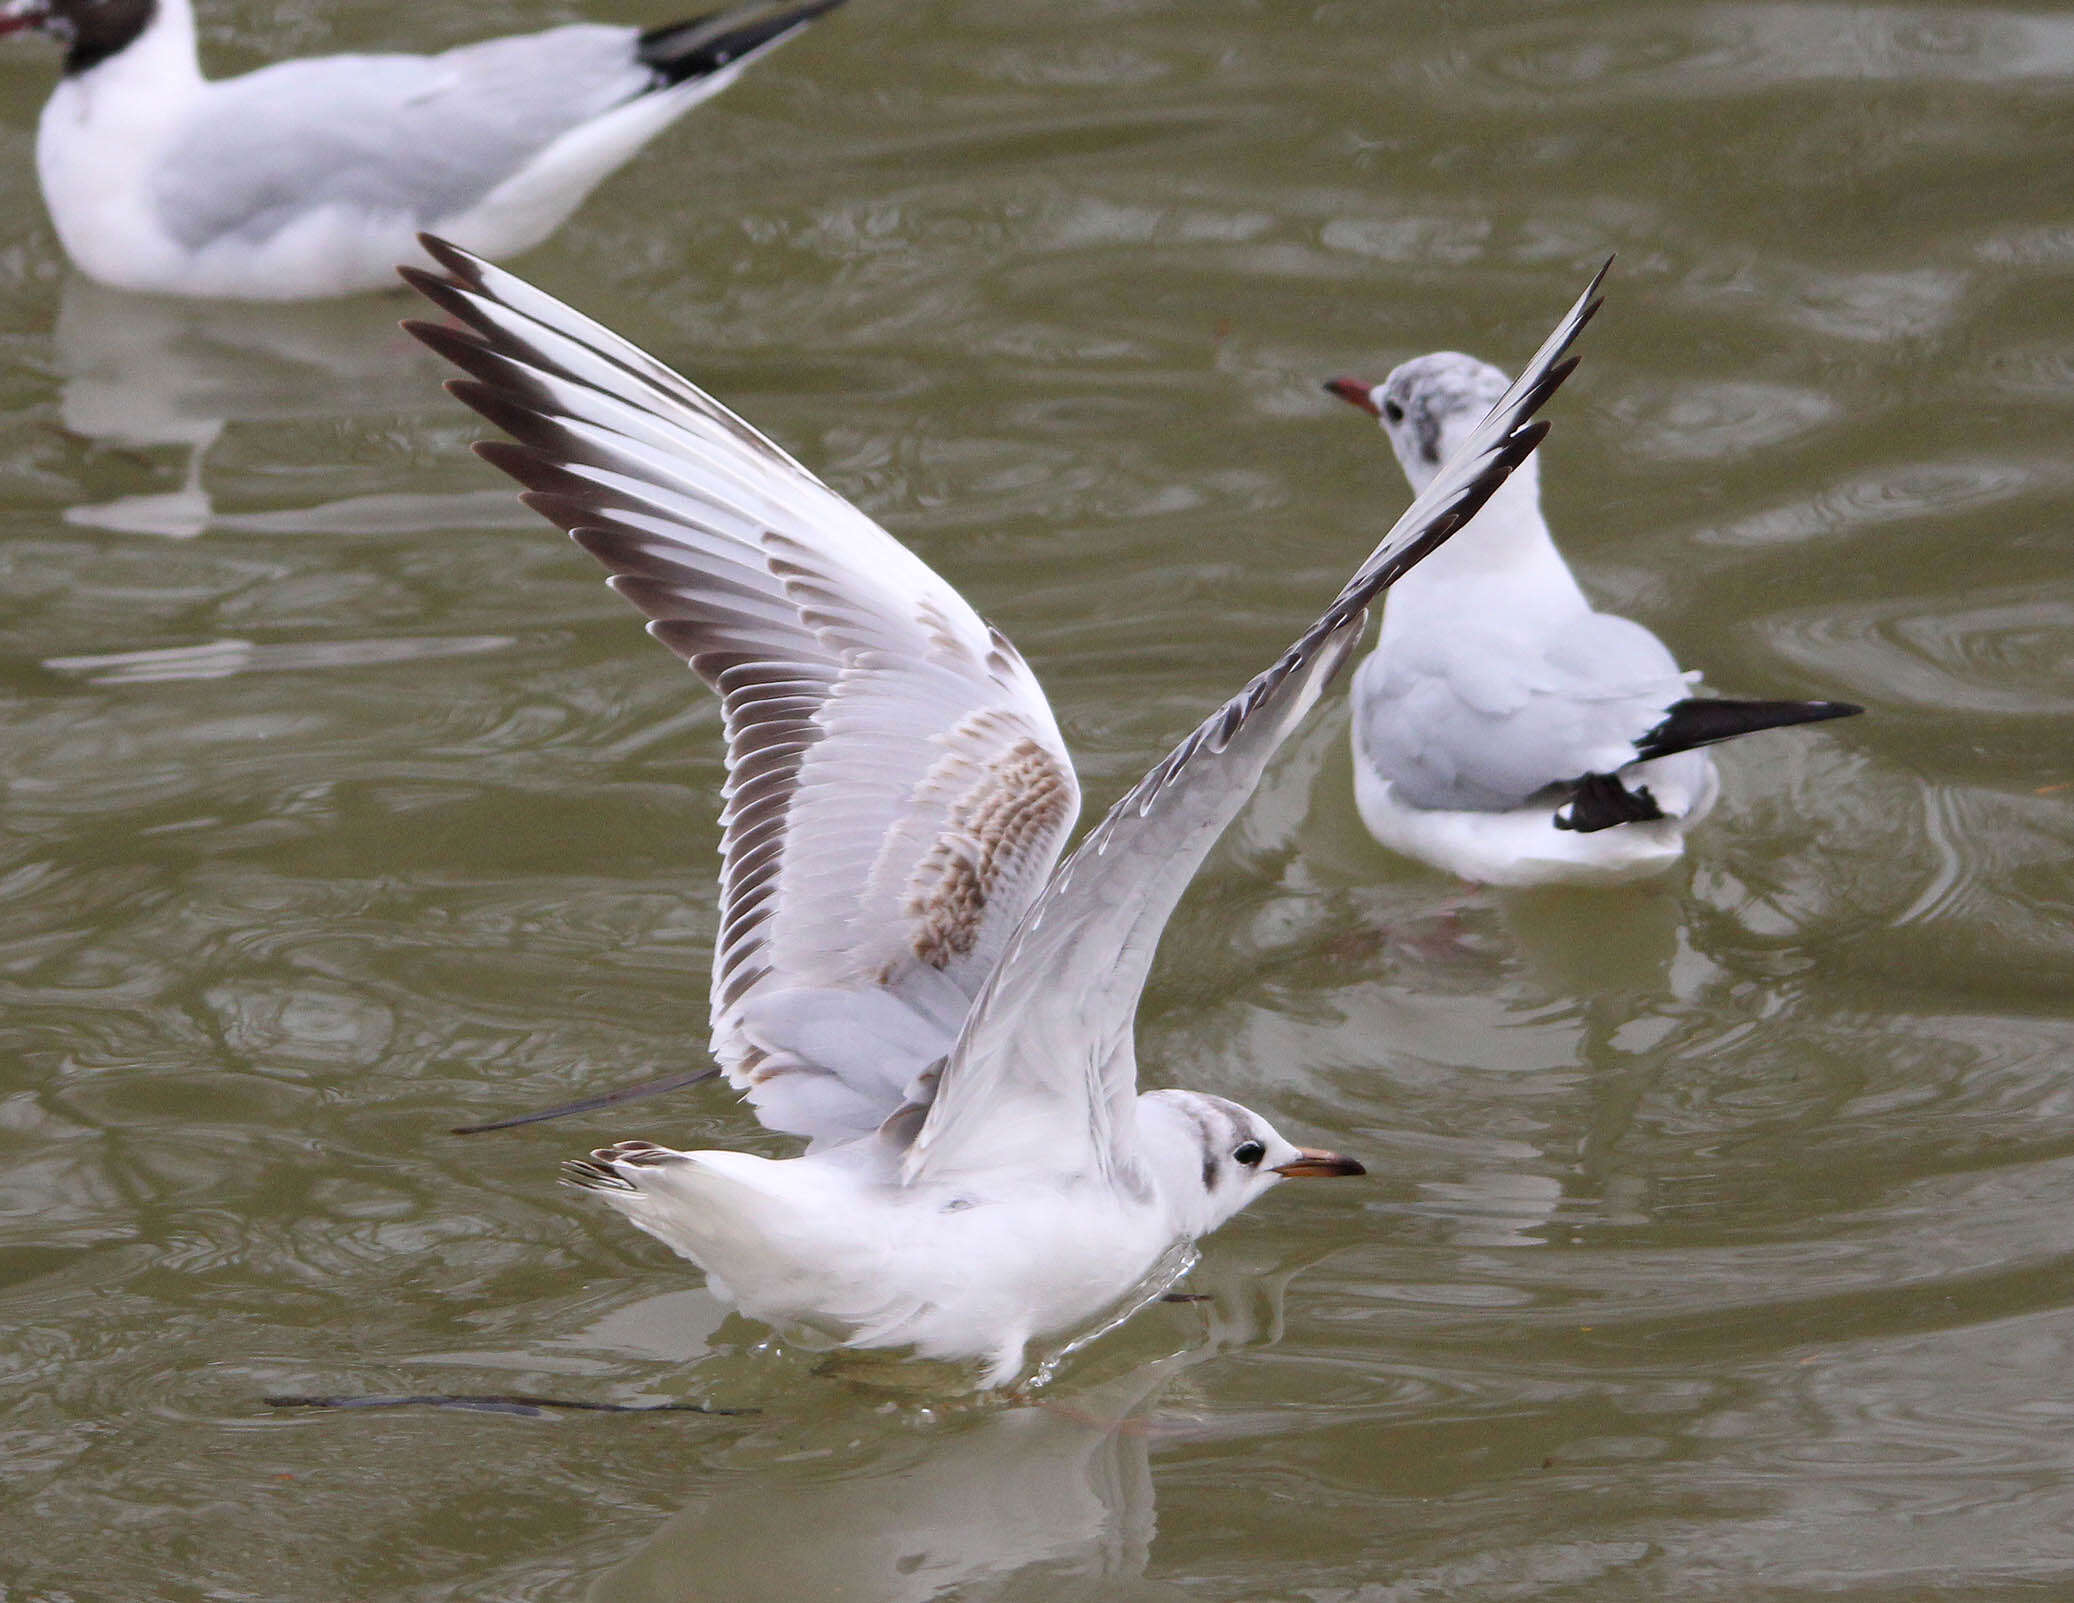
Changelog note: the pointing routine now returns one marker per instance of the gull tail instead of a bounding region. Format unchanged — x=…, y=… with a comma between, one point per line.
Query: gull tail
x=601, y=1171
x=680, y=51
x=1688, y=724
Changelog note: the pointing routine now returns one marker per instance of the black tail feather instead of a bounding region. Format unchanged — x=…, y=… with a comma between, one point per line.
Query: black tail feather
x=1703, y=722
x=1600, y=801
x=703, y=45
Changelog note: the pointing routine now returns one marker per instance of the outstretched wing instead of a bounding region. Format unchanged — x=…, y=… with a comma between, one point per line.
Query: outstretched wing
x=1044, y=1071
x=897, y=788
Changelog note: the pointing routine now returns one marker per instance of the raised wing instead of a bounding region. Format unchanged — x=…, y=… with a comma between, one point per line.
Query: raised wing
x=897, y=788
x=1044, y=1071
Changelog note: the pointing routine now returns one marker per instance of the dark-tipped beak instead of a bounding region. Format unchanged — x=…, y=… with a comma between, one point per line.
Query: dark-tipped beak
x=1314, y=1164
x=1354, y=393
x=16, y=15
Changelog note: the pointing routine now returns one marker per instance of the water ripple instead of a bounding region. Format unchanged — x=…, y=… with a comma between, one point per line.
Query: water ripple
x=2002, y=652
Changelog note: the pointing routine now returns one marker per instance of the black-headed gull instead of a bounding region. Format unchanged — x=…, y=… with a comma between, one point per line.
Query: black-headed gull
x=1503, y=730
x=314, y=177
x=901, y=975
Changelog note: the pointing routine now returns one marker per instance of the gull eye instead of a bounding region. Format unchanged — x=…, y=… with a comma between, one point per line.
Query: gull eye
x=1248, y=1153
x=1393, y=411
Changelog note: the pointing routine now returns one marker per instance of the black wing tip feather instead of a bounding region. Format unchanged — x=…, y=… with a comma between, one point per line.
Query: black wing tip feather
x=1705, y=721
x=1592, y=298
x=504, y=405
x=464, y=267
x=698, y=47
x=454, y=297
x=464, y=347
x=425, y=283
x=1601, y=801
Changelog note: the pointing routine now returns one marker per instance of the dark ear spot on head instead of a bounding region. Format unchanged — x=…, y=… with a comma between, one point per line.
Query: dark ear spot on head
x=99, y=29
x=1429, y=437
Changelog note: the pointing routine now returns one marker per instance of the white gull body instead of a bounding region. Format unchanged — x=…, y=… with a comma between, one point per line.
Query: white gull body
x=314, y=177
x=902, y=975
x=1504, y=730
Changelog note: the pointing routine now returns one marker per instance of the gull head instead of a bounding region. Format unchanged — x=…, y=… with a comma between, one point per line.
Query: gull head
x=1427, y=407
x=1210, y=1158
x=91, y=30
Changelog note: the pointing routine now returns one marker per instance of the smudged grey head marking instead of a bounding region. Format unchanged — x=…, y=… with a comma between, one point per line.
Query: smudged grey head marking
x=1423, y=396
x=1223, y=1128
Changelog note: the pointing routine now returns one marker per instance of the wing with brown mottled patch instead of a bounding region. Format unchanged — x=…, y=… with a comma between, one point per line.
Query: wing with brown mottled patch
x=897, y=787
x=1044, y=1075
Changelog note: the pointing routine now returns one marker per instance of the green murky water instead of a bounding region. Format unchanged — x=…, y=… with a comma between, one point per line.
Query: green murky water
x=1717, y=1242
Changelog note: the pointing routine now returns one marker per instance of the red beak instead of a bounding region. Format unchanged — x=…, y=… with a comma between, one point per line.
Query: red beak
x=1314, y=1164
x=16, y=15
x=1354, y=393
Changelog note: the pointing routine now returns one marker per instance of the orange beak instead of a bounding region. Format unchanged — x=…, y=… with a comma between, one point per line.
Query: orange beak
x=1354, y=393
x=1313, y=1163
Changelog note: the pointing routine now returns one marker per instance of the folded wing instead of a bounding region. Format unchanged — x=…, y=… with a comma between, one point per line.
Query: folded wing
x=1483, y=718
x=1044, y=1072
x=425, y=138
x=897, y=787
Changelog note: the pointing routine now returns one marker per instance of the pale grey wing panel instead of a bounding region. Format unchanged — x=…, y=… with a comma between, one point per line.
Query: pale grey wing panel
x=897, y=787
x=1480, y=720
x=423, y=138
x=1044, y=1070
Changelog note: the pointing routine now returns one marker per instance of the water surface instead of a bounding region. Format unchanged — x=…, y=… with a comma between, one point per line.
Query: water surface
x=1716, y=1241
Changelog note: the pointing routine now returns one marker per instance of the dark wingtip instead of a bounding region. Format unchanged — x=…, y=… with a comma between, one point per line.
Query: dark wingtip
x=1602, y=801
x=465, y=266
x=449, y=295
x=1552, y=380
x=701, y=46
x=1596, y=300
x=1706, y=721
x=443, y=339
x=1529, y=435
x=419, y=279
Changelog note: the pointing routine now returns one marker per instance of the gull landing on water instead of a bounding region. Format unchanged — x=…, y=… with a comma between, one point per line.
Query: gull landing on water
x=901, y=974
x=314, y=177
x=1503, y=730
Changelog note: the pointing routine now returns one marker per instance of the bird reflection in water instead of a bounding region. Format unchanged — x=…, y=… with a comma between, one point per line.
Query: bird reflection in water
x=1051, y=1499
x=143, y=374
